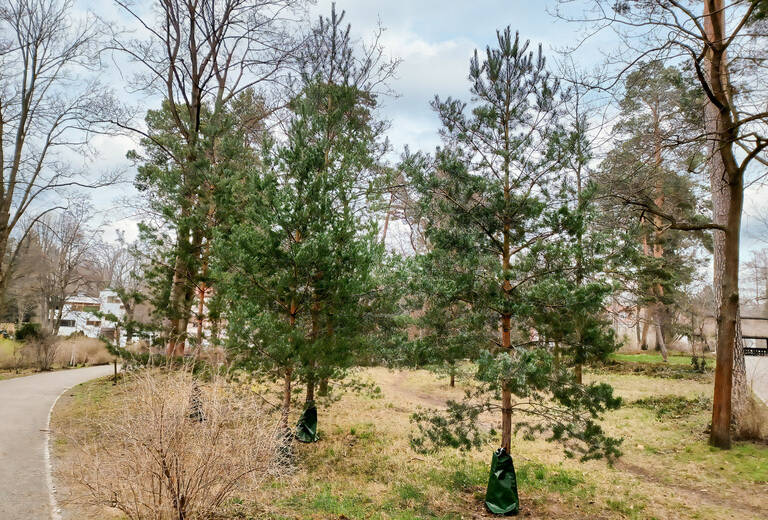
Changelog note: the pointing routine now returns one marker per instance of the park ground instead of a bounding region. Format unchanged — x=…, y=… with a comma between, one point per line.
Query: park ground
x=363, y=467
x=18, y=359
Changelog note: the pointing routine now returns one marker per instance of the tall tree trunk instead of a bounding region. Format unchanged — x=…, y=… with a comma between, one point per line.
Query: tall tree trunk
x=323, y=387
x=315, y=334
x=578, y=373
x=506, y=394
x=203, y=286
x=287, y=378
x=129, y=312
x=646, y=323
x=57, y=319
x=578, y=369
x=178, y=326
x=658, y=245
x=506, y=318
x=660, y=343
x=200, y=312
x=727, y=186
x=310, y=387
x=646, y=318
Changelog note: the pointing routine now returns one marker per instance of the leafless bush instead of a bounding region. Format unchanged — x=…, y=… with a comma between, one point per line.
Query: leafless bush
x=176, y=449
x=83, y=351
x=43, y=350
x=753, y=423
x=139, y=347
x=214, y=356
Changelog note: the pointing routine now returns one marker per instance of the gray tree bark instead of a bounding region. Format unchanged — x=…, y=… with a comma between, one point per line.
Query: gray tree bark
x=721, y=196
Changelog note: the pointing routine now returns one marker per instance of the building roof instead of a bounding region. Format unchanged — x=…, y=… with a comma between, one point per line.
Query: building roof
x=81, y=298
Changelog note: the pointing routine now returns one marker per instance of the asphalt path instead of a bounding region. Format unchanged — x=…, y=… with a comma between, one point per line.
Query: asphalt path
x=25, y=406
x=757, y=374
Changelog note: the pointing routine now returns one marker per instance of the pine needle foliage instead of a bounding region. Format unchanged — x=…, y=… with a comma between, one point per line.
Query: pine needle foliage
x=510, y=246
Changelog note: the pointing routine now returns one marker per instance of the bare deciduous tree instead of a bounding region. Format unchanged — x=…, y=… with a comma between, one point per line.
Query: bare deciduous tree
x=47, y=111
x=725, y=43
x=67, y=245
x=119, y=268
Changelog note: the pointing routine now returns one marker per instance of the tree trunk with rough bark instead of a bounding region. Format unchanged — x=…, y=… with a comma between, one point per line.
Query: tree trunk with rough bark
x=660, y=343
x=129, y=314
x=323, y=387
x=287, y=378
x=646, y=324
x=727, y=185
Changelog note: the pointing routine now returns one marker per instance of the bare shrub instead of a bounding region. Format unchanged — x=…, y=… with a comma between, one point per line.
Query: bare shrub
x=83, y=351
x=43, y=350
x=138, y=347
x=12, y=356
x=753, y=423
x=213, y=356
x=174, y=448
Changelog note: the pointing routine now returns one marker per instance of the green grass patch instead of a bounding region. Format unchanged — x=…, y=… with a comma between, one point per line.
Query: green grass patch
x=404, y=501
x=459, y=474
x=744, y=462
x=538, y=476
x=674, y=406
x=679, y=367
x=626, y=509
x=655, y=357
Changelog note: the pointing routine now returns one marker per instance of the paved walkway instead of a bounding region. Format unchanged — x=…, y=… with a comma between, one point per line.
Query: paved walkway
x=757, y=374
x=25, y=403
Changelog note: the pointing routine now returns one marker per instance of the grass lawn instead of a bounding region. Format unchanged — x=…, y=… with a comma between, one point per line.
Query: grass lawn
x=6, y=348
x=655, y=357
x=363, y=468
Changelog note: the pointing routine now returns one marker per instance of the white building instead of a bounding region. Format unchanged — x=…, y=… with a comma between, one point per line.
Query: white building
x=80, y=315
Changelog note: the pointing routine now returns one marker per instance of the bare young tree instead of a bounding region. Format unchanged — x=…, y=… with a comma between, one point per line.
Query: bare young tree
x=119, y=268
x=47, y=111
x=725, y=43
x=67, y=244
x=198, y=56
x=22, y=291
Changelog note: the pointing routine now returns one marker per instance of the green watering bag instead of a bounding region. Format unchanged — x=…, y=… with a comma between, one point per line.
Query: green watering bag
x=306, y=428
x=501, y=496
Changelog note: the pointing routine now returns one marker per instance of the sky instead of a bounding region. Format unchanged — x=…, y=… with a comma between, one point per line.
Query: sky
x=435, y=40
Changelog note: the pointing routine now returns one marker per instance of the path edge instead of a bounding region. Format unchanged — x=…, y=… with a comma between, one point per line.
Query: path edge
x=55, y=511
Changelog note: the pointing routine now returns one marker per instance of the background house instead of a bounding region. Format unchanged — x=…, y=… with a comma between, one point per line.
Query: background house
x=84, y=314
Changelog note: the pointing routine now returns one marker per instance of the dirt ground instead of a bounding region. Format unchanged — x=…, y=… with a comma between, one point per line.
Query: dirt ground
x=363, y=466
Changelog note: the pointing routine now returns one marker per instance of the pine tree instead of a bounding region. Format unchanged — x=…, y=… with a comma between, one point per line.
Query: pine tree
x=342, y=81
x=298, y=262
x=503, y=238
x=648, y=168
x=185, y=203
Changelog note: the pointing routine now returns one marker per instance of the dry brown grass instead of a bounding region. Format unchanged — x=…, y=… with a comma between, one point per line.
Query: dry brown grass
x=363, y=468
x=754, y=421
x=49, y=353
x=79, y=350
x=171, y=447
